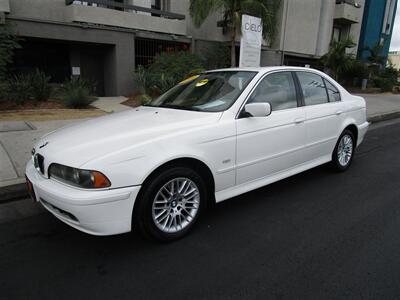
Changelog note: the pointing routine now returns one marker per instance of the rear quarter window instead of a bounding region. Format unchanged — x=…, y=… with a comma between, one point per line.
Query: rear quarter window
x=333, y=92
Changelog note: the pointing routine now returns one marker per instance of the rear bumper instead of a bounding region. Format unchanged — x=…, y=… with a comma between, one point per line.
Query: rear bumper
x=97, y=212
x=362, y=130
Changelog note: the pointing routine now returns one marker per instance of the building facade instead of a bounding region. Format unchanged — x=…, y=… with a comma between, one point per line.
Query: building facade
x=307, y=27
x=394, y=58
x=104, y=41
x=377, y=27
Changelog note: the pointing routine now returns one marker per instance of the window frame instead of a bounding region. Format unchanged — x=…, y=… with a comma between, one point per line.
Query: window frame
x=296, y=87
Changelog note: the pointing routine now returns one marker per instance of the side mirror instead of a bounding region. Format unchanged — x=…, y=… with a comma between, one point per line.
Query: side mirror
x=258, y=109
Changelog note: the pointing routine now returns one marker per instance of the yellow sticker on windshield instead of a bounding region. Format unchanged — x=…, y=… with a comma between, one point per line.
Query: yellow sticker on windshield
x=187, y=80
x=202, y=82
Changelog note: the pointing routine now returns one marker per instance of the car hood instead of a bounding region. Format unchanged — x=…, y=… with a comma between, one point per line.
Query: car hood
x=77, y=144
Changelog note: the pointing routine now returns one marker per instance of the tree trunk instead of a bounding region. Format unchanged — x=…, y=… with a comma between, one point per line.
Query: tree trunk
x=233, y=47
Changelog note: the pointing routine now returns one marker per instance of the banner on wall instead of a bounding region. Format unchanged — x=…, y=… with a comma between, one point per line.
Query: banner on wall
x=250, y=43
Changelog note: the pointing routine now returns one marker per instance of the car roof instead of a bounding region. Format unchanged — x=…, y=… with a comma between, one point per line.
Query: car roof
x=264, y=69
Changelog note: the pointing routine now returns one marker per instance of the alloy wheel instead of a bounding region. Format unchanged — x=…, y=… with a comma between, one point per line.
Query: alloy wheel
x=175, y=205
x=345, y=150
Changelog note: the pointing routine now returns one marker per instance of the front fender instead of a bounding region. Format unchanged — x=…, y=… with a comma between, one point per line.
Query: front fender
x=215, y=147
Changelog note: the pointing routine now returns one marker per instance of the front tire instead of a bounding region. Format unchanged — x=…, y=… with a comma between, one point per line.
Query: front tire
x=343, y=153
x=170, y=204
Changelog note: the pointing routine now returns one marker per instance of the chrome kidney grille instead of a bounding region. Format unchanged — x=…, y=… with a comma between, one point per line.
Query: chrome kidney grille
x=38, y=161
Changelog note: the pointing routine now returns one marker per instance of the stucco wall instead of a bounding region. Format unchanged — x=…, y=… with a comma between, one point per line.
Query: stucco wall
x=52, y=10
x=302, y=26
x=207, y=31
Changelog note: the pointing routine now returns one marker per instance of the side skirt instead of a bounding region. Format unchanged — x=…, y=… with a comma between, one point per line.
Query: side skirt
x=255, y=184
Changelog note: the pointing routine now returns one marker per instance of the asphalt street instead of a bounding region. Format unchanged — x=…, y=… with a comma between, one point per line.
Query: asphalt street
x=317, y=235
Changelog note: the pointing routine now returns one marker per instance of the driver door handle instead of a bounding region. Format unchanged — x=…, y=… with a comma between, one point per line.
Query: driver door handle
x=299, y=120
x=339, y=112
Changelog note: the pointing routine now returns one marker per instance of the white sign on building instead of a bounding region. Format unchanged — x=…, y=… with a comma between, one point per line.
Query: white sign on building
x=250, y=44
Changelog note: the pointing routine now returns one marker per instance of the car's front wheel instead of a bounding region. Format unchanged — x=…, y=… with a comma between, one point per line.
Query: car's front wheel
x=170, y=203
x=343, y=154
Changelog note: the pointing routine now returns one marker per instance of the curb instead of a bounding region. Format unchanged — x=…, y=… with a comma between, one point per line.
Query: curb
x=19, y=191
x=384, y=117
x=13, y=193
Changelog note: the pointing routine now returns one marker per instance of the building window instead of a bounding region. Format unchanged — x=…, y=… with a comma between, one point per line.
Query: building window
x=336, y=34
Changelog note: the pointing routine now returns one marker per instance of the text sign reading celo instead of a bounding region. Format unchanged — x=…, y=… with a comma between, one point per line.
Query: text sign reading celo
x=250, y=44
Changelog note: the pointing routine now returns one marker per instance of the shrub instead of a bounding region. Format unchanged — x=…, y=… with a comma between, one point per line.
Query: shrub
x=140, y=77
x=144, y=99
x=76, y=93
x=41, y=89
x=385, y=84
x=396, y=89
x=386, y=79
x=19, y=88
x=167, y=70
x=3, y=91
x=217, y=56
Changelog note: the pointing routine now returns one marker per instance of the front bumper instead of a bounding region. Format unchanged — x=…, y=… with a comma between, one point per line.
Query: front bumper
x=97, y=212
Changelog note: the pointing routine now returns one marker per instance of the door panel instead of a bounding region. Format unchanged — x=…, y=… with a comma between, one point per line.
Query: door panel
x=323, y=114
x=322, y=123
x=269, y=145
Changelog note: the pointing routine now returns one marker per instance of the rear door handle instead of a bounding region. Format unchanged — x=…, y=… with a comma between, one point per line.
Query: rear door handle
x=339, y=112
x=299, y=120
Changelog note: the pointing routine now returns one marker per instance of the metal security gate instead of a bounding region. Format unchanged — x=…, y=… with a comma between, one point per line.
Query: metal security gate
x=147, y=49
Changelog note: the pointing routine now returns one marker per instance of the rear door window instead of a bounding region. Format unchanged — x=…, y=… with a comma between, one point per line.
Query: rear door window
x=313, y=88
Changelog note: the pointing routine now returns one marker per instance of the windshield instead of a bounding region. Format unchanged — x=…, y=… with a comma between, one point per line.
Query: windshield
x=211, y=92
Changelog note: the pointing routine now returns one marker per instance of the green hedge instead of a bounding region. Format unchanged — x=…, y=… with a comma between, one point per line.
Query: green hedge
x=167, y=70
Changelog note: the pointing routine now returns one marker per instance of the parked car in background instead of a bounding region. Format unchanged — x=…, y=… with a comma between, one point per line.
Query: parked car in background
x=212, y=137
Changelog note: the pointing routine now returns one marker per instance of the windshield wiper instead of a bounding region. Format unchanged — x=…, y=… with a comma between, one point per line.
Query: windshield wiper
x=174, y=106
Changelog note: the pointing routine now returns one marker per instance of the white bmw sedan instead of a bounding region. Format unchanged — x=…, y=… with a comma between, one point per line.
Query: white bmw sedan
x=211, y=137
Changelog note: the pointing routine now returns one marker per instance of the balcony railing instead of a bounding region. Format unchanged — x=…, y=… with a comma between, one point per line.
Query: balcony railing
x=351, y=2
x=127, y=8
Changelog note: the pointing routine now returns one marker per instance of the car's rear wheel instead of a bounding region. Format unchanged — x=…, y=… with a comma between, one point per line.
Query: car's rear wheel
x=344, y=151
x=170, y=204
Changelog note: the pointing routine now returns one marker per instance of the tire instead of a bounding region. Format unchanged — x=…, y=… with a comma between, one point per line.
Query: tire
x=343, y=153
x=162, y=213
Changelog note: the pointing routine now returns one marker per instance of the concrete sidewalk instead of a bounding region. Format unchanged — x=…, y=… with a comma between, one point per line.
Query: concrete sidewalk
x=17, y=138
x=381, y=106
x=110, y=104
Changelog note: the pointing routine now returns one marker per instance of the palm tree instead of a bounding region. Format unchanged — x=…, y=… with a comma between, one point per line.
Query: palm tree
x=337, y=60
x=232, y=11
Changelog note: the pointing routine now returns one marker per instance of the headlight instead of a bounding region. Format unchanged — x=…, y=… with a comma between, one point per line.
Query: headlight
x=86, y=179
